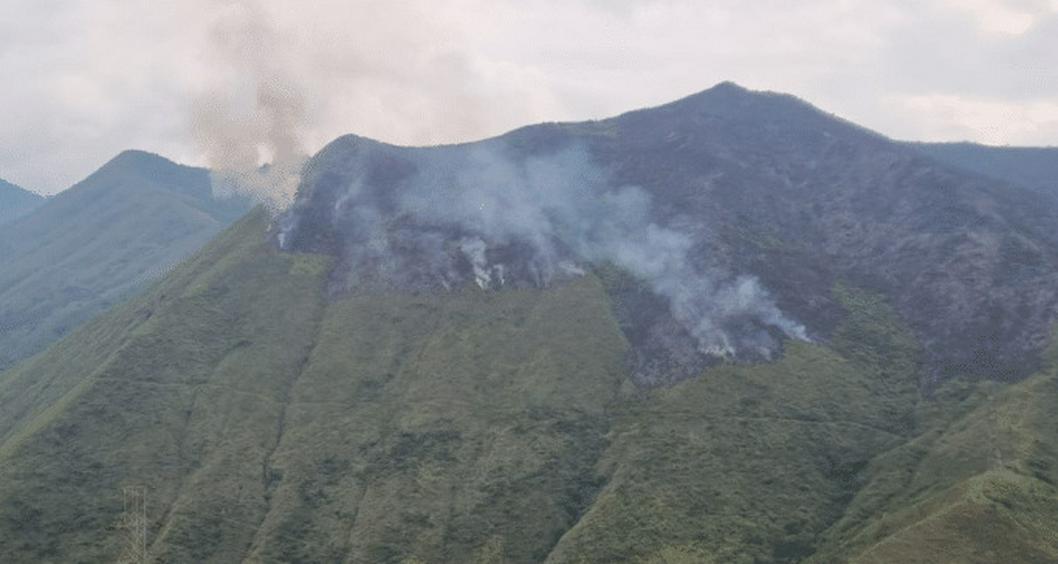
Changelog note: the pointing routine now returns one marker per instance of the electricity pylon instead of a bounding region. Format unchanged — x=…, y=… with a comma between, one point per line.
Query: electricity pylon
x=134, y=521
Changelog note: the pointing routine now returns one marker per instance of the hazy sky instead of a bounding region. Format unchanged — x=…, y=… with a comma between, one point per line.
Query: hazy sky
x=226, y=80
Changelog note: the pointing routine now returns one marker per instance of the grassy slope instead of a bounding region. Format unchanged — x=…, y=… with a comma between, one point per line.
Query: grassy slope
x=163, y=407
x=977, y=486
x=750, y=463
x=94, y=245
x=444, y=430
x=271, y=425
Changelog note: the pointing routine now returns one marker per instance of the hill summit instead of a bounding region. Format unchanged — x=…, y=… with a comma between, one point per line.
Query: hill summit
x=16, y=202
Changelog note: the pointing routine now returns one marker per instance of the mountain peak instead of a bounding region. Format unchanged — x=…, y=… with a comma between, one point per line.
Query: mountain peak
x=138, y=160
x=16, y=201
x=343, y=146
x=729, y=86
x=731, y=101
x=142, y=169
x=728, y=96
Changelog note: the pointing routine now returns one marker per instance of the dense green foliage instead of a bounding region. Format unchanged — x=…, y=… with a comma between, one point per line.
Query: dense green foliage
x=270, y=423
x=99, y=242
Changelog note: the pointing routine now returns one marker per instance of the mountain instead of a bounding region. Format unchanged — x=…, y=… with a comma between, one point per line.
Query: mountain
x=765, y=185
x=104, y=239
x=16, y=202
x=1035, y=168
x=685, y=334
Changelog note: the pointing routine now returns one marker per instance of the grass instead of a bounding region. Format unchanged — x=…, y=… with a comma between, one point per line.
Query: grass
x=977, y=485
x=750, y=463
x=271, y=424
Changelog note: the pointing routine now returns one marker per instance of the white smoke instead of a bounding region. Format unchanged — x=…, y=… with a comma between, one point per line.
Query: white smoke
x=537, y=218
x=474, y=250
x=566, y=199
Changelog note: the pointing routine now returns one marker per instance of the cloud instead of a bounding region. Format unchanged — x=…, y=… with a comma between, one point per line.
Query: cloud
x=945, y=117
x=93, y=77
x=1006, y=17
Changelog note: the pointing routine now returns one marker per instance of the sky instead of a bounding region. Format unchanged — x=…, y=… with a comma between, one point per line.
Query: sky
x=224, y=83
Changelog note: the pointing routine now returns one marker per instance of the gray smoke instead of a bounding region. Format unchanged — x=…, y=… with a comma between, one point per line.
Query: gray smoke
x=249, y=122
x=477, y=216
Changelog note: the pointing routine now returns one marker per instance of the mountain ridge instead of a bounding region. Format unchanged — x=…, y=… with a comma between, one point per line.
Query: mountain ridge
x=16, y=201
x=1035, y=168
x=89, y=247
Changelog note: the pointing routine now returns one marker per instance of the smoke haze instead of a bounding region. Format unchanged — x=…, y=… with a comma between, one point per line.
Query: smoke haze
x=463, y=216
x=250, y=121
x=451, y=216
x=96, y=77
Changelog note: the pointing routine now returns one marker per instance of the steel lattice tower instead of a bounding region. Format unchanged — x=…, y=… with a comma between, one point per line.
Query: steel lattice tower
x=134, y=522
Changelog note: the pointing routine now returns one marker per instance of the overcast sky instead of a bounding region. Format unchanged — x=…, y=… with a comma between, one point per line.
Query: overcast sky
x=191, y=79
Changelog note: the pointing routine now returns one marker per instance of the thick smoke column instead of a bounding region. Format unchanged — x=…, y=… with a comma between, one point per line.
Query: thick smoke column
x=453, y=216
x=249, y=123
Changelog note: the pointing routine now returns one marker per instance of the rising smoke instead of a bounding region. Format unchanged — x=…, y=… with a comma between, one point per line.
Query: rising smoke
x=453, y=216
x=249, y=121
x=478, y=214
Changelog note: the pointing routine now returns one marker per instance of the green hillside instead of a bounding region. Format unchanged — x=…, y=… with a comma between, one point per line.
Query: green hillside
x=978, y=484
x=272, y=424
x=261, y=431
x=99, y=242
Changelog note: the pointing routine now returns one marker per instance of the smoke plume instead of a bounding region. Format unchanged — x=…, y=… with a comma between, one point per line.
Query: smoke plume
x=250, y=120
x=451, y=216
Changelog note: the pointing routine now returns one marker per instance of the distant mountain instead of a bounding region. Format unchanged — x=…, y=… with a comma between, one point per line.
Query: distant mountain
x=728, y=329
x=92, y=246
x=1035, y=168
x=16, y=202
